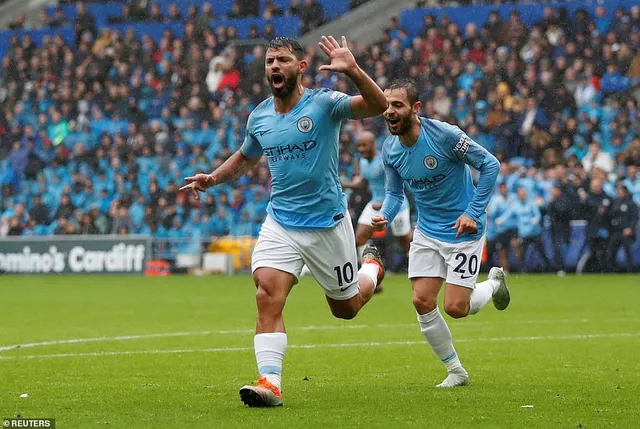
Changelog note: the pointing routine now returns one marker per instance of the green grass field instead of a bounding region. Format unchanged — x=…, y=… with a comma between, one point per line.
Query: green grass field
x=569, y=347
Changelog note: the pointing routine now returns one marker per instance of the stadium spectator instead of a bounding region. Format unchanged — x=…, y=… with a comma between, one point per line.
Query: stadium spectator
x=174, y=14
x=20, y=23
x=59, y=19
x=563, y=206
x=44, y=20
x=624, y=218
x=271, y=10
x=155, y=14
x=84, y=23
x=596, y=205
x=39, y=212
x=529, y=226
x=311, y=14
x=596, y=158
x=236, y=11
x=501, y=235
x=613, y=81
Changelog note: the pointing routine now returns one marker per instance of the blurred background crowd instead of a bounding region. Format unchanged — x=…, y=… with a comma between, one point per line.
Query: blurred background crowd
x=97, y=132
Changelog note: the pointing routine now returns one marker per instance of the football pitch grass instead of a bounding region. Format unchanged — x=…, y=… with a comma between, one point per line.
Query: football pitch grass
x=135, y=352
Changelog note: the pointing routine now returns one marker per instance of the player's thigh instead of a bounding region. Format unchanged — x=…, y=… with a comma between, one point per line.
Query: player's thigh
x=277, y=251
x=425, y=259
x=401, y=225
x=463, y=262
x=332, y=259
x=425, y=293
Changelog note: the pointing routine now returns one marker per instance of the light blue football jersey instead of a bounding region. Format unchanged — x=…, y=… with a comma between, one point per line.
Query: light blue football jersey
x=436, y=169
x=498, y=205
x=373, y=172
x=301, y=147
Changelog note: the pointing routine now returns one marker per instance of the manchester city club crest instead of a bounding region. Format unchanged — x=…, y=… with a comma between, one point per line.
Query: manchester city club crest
x=305, y=124
x=430, y=162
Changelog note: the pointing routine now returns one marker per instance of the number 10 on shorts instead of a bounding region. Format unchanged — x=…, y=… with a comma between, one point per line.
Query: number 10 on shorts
x=344, y=274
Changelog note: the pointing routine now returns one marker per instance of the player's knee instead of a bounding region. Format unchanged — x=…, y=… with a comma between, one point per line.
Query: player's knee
x=346, y=310
x=456, y=309
x=267, y=296
x=344, y=313
x=424, y=304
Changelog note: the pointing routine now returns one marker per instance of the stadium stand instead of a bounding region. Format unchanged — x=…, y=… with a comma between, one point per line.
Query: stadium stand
x=102, y=118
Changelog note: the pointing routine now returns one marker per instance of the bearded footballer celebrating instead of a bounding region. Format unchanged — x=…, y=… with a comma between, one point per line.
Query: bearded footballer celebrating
x=307, y=221
x=433, y=158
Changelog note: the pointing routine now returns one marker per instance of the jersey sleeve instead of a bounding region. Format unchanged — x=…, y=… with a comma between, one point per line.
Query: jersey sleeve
x=463, y=149
x=394, y=190
x=335, y=104
x=251, y=146
x=508, y=213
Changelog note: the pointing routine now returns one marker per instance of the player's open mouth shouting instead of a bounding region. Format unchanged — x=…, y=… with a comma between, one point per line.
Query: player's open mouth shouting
x=394, y=123
x=277, y=80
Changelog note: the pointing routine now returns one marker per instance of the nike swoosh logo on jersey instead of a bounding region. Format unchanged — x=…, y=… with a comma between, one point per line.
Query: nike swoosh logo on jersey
x=342, y=289
x=465, y=277
x=262, y=133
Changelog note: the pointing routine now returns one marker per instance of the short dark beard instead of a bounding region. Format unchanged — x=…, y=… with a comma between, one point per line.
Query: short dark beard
x=405, y=126
x=287, y=89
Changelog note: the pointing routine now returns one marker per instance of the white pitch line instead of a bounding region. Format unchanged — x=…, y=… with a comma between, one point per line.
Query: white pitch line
x=302, y=328
x=329, y=345
x=177, y=334
x=98, y=339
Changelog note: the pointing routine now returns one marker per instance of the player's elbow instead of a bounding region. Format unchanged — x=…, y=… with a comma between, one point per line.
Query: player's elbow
x=492, y=163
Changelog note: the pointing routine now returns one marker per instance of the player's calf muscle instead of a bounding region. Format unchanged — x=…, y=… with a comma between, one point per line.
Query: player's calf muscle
x=363, y=234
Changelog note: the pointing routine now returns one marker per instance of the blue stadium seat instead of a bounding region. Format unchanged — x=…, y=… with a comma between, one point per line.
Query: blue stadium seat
x=412, y=19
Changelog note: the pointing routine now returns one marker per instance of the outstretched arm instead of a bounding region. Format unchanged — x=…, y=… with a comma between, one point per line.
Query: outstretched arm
x=231, y=169
x=371, y=101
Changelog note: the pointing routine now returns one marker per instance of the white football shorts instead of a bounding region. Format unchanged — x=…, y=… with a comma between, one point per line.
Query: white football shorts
x=330, y=255
x=457, y=263
x=400, y=226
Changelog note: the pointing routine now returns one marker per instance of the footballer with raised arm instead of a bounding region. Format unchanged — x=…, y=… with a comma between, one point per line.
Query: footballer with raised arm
x=307, y=220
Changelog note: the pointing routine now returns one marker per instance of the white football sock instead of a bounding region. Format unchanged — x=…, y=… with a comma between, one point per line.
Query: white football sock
x=361, y=251
x=482, y=294
x=370, y=270
x=437, y=333
x=270, y=348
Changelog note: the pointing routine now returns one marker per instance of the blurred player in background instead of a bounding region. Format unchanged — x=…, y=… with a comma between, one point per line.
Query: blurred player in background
x=505, y=233
x=433, y=158
x=307, y=219
x=372, y=177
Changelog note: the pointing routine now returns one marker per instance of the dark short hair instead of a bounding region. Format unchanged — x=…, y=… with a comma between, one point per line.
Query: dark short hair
x=287, y=42
x=409, y=86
